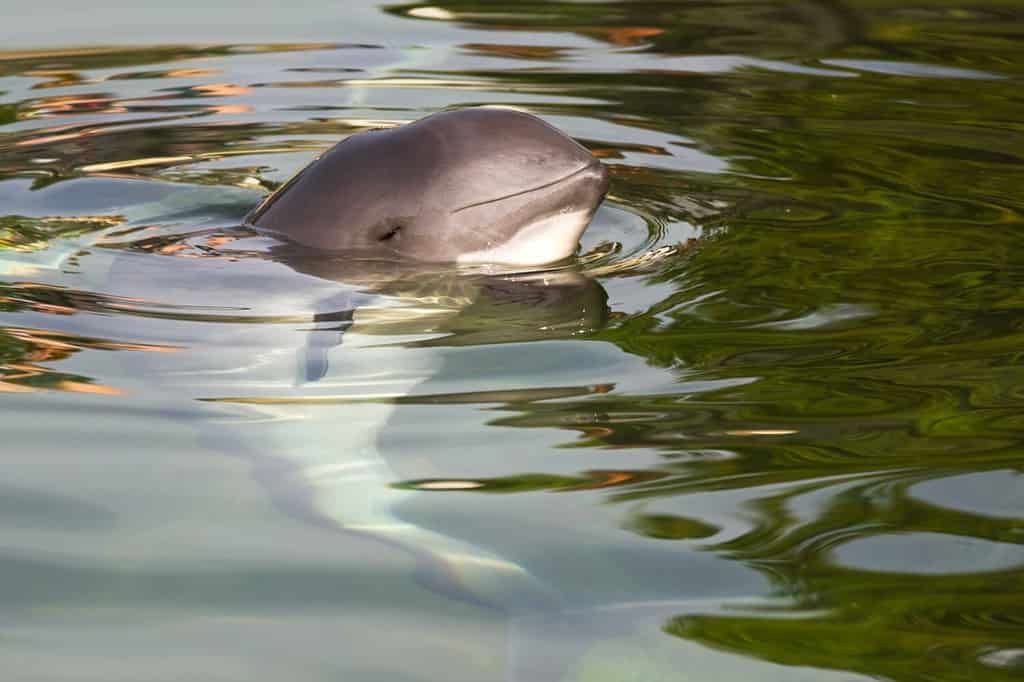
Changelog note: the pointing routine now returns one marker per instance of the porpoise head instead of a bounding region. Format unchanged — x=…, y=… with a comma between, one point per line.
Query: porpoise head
x=468, y=186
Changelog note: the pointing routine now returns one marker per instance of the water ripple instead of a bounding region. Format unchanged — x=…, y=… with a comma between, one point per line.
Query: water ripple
x=770, y=417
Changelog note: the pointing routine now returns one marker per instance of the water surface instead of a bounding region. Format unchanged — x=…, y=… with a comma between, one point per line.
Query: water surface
x=766, y=426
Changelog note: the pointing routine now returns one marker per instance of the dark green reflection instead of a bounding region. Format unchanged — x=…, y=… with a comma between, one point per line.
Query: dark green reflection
x=857, y=299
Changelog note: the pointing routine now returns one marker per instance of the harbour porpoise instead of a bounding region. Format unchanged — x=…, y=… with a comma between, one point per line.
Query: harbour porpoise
x=371, y=236
x=470, y=186
x=478, y=185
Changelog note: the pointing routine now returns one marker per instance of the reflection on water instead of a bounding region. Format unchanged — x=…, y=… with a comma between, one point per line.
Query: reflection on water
x=767, y=426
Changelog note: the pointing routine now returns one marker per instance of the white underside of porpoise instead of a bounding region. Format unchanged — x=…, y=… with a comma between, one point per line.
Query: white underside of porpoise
x=549, y=239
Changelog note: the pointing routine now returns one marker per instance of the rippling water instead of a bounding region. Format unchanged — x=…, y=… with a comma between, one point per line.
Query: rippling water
x=768, y=425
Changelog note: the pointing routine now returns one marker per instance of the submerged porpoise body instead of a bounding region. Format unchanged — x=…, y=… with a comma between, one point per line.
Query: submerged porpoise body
x=472, y=186
x=305, y=394
x=468, y=186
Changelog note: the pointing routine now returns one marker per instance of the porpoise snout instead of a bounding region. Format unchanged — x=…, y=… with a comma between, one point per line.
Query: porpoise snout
x=542, y=225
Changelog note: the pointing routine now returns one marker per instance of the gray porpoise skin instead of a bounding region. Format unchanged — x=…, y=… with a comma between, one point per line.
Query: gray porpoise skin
x=475, y=185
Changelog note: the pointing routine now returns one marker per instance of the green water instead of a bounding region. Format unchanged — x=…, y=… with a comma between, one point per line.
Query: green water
x=783, y=442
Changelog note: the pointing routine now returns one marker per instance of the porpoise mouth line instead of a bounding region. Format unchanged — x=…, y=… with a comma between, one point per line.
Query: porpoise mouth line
x=525, y=191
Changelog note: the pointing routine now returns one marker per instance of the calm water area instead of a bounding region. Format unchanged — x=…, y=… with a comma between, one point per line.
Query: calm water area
x=768, y=425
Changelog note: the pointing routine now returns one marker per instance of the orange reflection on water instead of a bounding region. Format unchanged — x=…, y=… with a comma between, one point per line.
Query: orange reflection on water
x=26, y=374
x=49, y=344
x=230, y=109
x=53, y=309
x=191, y=73
x=14, y=373
x=6, y=387
x=609, y=478
x=517, y=51
x=56, y=134
x=82, y=387
x=221, y=90
x=73, y=104
x=217, y=242
x=59, y=78
x=50, y=138
x=626, y=36
x=203, y=248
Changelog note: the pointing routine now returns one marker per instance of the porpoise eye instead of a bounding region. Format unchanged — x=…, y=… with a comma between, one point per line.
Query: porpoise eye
x=390, y=234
